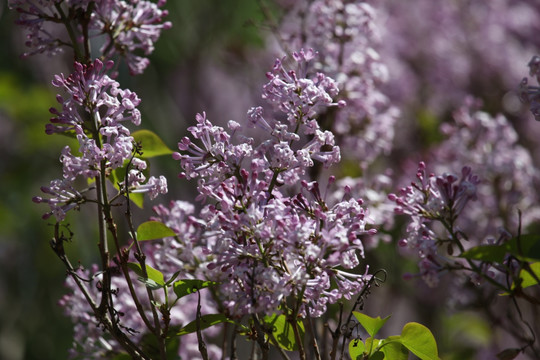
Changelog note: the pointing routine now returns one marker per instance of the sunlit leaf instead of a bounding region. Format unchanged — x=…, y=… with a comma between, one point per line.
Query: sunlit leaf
x=420, y=341
x=393, y=349
x=372, y=325
x=527, y=279
x=204, y=322
x=189, y=286
x=356, y=349
x=151, y=143
x=371, y=344
x=152, y=230
x=283, y=331
x=153, y=274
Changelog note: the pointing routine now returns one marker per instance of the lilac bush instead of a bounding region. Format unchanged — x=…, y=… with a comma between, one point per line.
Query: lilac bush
x=291, y=201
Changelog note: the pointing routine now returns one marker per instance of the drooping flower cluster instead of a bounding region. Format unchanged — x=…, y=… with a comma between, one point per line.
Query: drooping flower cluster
x=434, y=200
x=346, y=33
x=95, y=110
x=263, y=245
x=129, y=27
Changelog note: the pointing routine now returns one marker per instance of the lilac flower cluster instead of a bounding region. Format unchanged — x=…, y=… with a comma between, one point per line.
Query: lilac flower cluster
x=491, y=146
x=35, y=16
x=129, y=27
x=346, y=33
x=430, y=200
x=440, y=52
x=94, y=112
x=91, y=342
x=529, y=93
x=263, y=245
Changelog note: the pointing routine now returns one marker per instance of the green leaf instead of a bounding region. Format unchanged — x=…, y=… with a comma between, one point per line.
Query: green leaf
x=189, y=286
x=372, y=325
x=152, y=230
x=491, y=253
x=530, y=247
x=377, y=355
x=283, y=331
x=153, y=274
x=118, y=175
x=393, y=349
x=526, y=278
x=420, y=341
x=152, y=145
x=150, y=346
x=372, y=344
x=205, y=322
x=137, y=199
x=356, y=349
x=528, y=250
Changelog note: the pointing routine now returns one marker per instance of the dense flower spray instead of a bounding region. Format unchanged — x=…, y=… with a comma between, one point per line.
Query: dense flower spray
x=265, y=244
x=95, y=111
x=432, y=199
x=441, y=52
x=346, y=34
x=129, y=28
x=275, y=239
x=504, y=185
x=491, y=146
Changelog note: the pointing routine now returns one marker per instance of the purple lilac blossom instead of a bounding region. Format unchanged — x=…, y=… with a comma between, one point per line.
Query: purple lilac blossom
x=95, y=110
x=510, y=179
x=373, y=189
x=36, y=16
x=440, y=52
x=169, y=255
x=130, y=28
x=429, y=201
x=91, y=342
x=531, y=94
x=263, y=245
x=508, y=184
x=346, y=34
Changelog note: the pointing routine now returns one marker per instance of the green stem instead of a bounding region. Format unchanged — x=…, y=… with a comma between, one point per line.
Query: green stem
x=71, y=32
x=141, y=258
